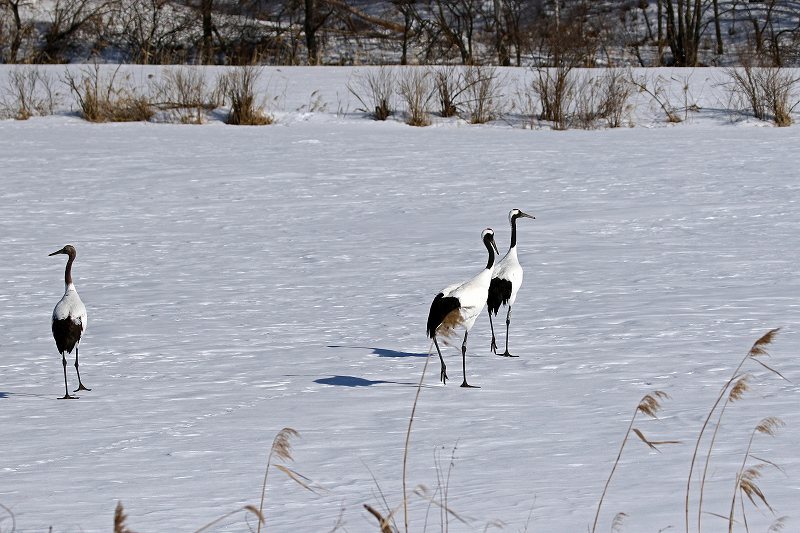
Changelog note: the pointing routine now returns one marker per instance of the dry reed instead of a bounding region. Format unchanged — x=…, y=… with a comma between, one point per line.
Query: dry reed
x=758, y=349
x=746, y=477
x=119, y=520
x=649, y=405
x=282, y=449
x=408, y=439
x=382, y=521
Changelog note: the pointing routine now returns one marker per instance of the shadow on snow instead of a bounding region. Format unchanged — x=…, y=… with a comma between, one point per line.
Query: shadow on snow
x=382, y=352
x=349, y=381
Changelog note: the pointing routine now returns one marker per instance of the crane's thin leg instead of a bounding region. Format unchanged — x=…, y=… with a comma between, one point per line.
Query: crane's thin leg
x=80, y=385
x=66, y=388
x=464, y=362
x=494, y=342
x=508, y=323
x=443, y=374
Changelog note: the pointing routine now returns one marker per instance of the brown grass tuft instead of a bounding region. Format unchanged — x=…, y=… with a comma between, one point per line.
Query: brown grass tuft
x=759, y=347
x=770, y=426
x=735, y=393
x=239, y=89
x=119, y=520
x=282, y=445
x=748, y=485
x=650, y=404
x=282, y=448
x=383, y=522
x=739, y=388
x=108, y=98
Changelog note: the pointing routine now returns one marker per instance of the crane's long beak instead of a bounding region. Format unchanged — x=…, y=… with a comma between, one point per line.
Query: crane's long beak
x=526, y=215
x=61, y=251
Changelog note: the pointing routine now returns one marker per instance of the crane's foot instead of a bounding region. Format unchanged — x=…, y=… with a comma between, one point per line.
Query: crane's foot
x=68, y=397
x=506, y=354
x=468, y=386
x=81, y=387
x=443, y=377
x=494, y=346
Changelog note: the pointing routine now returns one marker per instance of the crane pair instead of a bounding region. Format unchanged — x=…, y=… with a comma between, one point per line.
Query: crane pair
x=461, y=303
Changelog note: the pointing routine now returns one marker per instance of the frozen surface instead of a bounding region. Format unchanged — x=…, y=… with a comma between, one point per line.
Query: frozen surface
x=241, y=280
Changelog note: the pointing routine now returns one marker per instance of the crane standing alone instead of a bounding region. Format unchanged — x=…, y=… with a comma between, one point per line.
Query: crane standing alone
x=506, y=281
x=460, y=305
x=69, y=321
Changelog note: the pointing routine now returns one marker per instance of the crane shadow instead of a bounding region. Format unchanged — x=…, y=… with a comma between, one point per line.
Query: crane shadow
x=382, y=352
x=6, y=394
x=349, y=381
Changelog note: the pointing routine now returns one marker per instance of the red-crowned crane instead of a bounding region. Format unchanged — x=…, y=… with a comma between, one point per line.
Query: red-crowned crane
x=506, y=281
x=69, y=321
x=460, y=305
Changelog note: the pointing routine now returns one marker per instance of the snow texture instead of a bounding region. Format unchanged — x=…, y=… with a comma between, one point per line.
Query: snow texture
x=245, y=279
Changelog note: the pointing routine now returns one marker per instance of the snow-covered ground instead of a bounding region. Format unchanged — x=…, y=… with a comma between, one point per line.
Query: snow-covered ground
x=241, y=280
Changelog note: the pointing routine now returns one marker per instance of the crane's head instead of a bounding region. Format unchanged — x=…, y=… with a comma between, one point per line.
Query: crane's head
x=488, y=238
x=515, y=213
x=68, y=250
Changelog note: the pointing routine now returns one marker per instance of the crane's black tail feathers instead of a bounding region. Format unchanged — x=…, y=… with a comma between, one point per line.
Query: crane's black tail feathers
x=499, y=294
x=66, y=333
x=444, y=315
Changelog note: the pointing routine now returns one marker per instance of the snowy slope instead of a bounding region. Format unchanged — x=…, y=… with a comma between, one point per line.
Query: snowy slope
x=241, y=280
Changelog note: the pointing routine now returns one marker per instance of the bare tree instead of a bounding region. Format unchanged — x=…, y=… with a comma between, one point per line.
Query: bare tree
x=407, y=9
x=513, y=16
x=314, y=20
x=568, y=32
x=18, y=30
x=69, y=21
x=149, y=30
x=453, y=24
x=684, y=22
x=206, y=6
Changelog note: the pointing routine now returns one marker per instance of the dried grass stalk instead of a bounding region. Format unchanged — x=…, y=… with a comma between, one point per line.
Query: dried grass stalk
x=758, y=349
x=650, y=404
x=384, y=523
x=281, y=448
x=119, y=520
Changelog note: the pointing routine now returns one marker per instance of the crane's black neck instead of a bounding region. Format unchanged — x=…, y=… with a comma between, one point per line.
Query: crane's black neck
x=488, y=242
x=68, y=271
x=514, y=230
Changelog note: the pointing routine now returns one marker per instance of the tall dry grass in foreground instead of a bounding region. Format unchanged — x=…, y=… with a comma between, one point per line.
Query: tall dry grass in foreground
x=281, y=449
x=649, y=405
x=746, y=487
x=746, y=477
x=735, y=388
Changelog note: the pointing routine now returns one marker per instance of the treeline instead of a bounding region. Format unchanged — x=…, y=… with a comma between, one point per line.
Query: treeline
x=575, y=33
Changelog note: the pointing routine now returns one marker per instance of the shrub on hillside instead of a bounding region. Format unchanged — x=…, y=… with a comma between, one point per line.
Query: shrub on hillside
x=107, y=98
x=28, y=92
x=238, y=88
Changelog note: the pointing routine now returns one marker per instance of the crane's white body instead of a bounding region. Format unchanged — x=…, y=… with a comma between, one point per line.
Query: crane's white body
x=471, y=296
x=70, y=306
x=508, y=268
